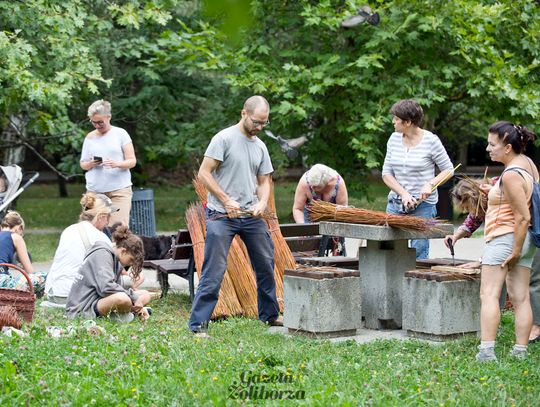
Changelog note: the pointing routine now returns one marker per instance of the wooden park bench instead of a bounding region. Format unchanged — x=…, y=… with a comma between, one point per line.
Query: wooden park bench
x=309, y=247
x=303, y=239
x=181, y=263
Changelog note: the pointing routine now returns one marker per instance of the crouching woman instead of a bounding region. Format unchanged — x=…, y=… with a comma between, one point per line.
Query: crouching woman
x=97, y=290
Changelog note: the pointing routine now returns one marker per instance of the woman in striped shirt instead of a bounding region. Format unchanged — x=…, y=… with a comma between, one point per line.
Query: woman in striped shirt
x=409, y=167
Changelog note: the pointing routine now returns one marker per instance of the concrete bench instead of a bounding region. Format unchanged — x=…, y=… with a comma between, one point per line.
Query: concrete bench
x=322, y=301
x=181, y=263
x=440, y=305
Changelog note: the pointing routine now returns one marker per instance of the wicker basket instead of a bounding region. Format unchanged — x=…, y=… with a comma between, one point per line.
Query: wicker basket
x=9, y=317
x=24, y=302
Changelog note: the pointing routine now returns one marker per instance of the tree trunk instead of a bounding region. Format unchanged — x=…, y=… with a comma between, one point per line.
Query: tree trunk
x=62, y=188
x=14, y=154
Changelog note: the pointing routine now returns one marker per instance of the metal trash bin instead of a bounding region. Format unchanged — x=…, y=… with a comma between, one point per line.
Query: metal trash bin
x=142, y=218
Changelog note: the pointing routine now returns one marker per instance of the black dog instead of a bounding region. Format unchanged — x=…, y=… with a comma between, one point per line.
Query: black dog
x=155, y=248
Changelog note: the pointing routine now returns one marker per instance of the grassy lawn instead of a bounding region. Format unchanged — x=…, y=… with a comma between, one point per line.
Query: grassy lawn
x=46, y=214
x=159, y=363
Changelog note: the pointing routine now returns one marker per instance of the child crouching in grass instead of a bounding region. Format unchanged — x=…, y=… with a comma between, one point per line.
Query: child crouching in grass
x=97, y=290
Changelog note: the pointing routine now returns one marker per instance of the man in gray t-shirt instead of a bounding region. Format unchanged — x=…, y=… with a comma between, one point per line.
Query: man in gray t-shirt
x=236, y=171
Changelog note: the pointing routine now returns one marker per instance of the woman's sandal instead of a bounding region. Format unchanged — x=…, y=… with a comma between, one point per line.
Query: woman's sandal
x=535, y=339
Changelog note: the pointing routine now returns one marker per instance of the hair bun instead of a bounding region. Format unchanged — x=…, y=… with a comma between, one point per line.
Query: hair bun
x=121, y=232
x=88, y=201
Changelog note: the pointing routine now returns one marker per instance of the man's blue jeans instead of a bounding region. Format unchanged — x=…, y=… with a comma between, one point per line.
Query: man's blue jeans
x=220, y=231
x=424, y=210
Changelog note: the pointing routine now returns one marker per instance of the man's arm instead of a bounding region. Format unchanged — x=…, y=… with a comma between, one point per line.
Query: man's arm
x=208, y=166
x=263, y=193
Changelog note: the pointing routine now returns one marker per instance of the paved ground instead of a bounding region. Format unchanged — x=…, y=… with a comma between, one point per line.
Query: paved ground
x=465, y=249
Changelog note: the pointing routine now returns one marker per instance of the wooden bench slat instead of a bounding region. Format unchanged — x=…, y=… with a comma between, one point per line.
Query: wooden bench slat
x=183, y=236
x=299, y=229
x=182, y=251
x=303, y=243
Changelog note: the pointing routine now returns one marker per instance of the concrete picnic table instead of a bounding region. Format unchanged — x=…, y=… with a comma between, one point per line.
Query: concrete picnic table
x=382, y=265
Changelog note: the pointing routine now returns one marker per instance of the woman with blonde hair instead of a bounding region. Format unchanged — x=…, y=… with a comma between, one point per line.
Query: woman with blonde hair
x=107, y=157
x=75, y=241
x=97, y=290
x=12, y=243
x=320, y=182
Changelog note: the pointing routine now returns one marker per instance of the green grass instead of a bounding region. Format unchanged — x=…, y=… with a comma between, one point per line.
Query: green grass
x=159, y=363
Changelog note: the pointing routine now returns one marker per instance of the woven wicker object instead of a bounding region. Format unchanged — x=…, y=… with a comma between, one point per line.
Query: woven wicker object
x=24, y=302
x=9, y=317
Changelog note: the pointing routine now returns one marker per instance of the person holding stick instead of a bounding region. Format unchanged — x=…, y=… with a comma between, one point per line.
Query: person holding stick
x=409, y=167
x=469, y=196
x=236, y=171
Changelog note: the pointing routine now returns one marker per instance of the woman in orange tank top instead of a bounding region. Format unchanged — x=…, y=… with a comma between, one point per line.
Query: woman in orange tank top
x=508, y=253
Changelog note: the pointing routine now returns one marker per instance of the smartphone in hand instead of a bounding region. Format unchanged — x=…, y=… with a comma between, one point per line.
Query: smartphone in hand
x=97, y=159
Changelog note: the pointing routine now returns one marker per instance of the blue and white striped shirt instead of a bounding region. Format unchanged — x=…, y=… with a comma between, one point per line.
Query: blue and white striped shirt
x=413, y=167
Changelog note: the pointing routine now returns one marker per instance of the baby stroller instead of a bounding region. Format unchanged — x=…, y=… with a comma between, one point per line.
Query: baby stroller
x=11, y=177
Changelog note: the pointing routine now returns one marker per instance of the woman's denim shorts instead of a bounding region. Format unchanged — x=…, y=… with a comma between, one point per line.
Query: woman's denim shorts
x=499, y=248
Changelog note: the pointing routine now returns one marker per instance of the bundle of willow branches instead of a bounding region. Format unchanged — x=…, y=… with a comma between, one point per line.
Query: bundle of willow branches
x=321, y=210
x=283, y=258
x=228, y=303
x=239, y=271
x=202, y=193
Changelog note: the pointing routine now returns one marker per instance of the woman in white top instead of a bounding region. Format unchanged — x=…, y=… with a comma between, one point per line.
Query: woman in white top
x=107, y=156
x=75, y=242
x=409, y=167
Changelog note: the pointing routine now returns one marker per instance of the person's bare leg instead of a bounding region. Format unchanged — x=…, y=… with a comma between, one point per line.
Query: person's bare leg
x=119, y=302
x=491, y=283
x=517, y=282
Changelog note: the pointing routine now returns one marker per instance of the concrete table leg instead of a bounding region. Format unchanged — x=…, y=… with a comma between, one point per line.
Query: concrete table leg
x=382, y=266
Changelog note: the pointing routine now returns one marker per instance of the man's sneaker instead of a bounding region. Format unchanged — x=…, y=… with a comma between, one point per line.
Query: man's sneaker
x=276, y=322
x=519, y=353
x=122, y=318
x=201, y=335
x=486, y=355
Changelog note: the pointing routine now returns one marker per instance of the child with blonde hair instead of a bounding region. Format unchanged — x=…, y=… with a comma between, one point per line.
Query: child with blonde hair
x=12, y=243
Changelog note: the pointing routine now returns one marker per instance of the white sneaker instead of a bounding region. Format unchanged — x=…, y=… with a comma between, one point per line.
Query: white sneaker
x=124, y=318
x=486, y=355
x=519, y=354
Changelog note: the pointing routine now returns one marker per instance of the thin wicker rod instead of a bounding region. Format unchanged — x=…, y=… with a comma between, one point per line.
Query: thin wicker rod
x=445, y=178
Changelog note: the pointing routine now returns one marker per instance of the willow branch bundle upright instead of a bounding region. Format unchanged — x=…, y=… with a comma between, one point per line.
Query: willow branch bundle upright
x=283, y=258
x=228, y=303
x=321, y=211
x=239, y=265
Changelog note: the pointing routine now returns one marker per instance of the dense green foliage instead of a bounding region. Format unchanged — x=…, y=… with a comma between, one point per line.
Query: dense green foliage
x=177, y=71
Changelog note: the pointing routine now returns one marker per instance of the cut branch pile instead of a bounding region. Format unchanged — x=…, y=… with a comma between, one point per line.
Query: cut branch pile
x=227, y=304
x=239, y=280
x=321, y=211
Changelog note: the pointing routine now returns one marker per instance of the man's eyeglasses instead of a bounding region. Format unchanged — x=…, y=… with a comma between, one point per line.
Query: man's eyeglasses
x=98, y=123
x=258, y=123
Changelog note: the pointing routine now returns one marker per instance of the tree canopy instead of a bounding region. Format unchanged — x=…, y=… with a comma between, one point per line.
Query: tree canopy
x=178, y=71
